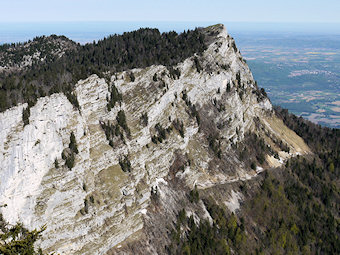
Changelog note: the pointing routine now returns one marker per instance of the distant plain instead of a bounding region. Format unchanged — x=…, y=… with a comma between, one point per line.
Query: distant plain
x=300, y=72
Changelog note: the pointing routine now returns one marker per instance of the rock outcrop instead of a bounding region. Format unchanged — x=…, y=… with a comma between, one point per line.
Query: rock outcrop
x=193, y=120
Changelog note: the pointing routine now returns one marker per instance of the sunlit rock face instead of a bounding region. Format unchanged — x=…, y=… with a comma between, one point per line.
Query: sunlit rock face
x=96, y=206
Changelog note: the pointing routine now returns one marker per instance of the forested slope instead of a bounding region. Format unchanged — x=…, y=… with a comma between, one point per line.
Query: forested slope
x=137, y=49
x=292, y=209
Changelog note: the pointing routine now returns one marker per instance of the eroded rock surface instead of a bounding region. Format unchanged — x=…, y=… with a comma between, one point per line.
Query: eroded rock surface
x=96, y=207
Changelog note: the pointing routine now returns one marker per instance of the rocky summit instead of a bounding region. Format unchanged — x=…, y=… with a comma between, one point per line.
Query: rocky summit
x=110, y=174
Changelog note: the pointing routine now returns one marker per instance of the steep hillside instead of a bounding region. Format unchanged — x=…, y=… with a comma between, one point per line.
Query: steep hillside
x=110, y=172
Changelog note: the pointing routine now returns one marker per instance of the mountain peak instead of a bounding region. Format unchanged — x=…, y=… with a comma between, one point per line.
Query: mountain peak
x=42, y=49
x=108, y=160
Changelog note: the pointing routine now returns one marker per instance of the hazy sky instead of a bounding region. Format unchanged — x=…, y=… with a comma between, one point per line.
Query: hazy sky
x=171, y=10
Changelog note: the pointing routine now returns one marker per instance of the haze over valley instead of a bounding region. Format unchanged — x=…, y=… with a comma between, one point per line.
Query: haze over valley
x=167, y=137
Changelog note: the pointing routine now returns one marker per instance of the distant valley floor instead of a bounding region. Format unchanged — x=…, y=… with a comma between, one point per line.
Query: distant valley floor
x=299, y=72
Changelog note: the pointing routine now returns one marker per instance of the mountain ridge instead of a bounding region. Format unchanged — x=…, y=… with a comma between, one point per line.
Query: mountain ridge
x=199, y=119
x=140, y=48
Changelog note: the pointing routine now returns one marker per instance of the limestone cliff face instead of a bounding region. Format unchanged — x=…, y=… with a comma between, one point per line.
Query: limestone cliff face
x=96, y=206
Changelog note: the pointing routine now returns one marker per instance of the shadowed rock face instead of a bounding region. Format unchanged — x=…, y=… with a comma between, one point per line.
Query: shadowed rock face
x=96, y=207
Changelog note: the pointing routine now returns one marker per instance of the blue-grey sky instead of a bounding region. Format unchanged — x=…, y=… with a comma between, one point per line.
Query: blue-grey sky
x=171, y=10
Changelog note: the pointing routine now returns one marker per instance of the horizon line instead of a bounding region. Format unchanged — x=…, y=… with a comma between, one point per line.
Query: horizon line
x=177, y=21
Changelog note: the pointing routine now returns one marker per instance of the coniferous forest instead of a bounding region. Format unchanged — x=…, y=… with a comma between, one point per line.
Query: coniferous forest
x=294, y=210
x=137, y=49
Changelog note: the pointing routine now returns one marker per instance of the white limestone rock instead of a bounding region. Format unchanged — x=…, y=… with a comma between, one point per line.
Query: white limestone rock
x=36, y=193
